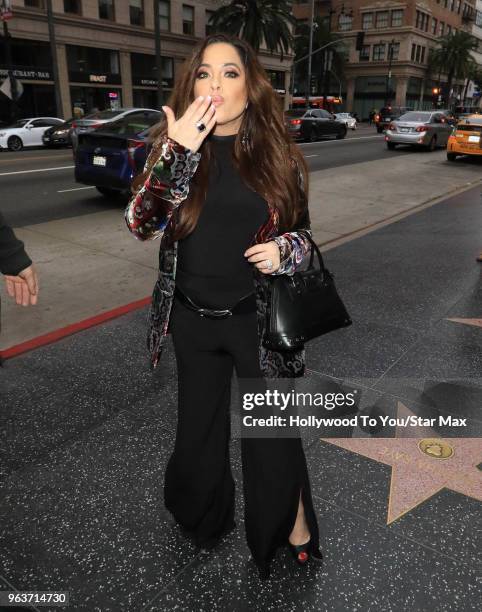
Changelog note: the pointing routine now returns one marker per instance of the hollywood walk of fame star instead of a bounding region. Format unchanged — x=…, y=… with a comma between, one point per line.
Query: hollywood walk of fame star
x=423, y=466
x=476, y=322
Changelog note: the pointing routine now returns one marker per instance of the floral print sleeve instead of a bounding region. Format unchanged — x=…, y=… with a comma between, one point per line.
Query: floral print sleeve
x=295, y=245
x=172, y=166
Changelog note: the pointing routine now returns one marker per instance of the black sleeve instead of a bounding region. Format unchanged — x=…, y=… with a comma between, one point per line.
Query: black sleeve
x=13, y=258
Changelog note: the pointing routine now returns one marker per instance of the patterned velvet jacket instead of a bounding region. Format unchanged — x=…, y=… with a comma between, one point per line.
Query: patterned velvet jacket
x=148, y=216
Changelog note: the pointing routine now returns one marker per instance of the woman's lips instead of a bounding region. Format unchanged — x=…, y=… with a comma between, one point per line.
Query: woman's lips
x=217, y=100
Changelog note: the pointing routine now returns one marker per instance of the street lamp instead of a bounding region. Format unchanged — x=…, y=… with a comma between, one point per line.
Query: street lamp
x=389, y=74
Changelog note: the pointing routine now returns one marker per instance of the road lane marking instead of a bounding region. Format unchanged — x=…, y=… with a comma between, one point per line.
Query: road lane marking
x=76, y=189
x=38, y=170
x=378, y=137
x=315, y=155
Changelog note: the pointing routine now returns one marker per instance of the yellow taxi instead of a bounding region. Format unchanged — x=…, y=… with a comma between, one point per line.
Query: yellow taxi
x=466, y=138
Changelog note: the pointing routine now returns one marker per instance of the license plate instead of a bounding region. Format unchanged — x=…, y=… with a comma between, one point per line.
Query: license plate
x=99, y=160
x=474, y=138
x=403, y=129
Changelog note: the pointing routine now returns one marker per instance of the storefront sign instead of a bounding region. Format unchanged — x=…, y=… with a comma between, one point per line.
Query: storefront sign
x=34, y=74
x=150, y=82
x=89, y=77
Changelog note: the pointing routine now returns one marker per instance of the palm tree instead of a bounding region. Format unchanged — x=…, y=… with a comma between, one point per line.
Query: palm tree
x=453, y=57
x=255, y=20
x=321, y=37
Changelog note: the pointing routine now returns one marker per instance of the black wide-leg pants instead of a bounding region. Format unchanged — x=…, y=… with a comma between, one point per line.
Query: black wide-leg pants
x=199, y=486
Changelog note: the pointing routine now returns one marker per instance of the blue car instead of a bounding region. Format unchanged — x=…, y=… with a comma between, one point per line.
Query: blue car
x=110, y=157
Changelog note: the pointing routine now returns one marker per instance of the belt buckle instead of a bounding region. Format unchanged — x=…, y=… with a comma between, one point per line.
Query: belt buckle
x=214, y=314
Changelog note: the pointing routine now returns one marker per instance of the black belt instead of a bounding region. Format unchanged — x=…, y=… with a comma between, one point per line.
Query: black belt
x=244, y=305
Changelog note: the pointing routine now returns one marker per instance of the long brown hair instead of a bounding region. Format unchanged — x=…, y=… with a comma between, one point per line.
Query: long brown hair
x=265, y=163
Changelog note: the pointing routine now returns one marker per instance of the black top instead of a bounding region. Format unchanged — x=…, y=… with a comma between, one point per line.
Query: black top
x=211, y=267
x=13, y=258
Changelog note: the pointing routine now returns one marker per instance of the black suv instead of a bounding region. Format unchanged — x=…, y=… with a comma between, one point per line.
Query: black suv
x=387, y=114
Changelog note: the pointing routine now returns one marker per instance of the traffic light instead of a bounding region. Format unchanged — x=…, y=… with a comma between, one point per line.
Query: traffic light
x=360, y=37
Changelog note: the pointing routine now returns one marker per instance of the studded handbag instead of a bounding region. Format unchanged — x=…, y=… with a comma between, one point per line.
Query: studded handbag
x=302, y=306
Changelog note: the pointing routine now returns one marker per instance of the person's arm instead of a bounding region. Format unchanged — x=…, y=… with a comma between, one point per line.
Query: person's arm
x=13, y=258
x=165, y=188
x=295, y=245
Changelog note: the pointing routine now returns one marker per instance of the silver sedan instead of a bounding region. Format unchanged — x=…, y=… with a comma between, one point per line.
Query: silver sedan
x=428, y=129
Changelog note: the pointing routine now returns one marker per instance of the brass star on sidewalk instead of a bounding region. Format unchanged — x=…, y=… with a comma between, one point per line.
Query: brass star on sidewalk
x=476, y=322
x=421, y=467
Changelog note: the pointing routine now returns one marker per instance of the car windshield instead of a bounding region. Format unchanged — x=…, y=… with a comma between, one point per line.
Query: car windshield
x=472, y=120
x=106, y=114
x=414, y=116
x=132, y=124
x=18, y=124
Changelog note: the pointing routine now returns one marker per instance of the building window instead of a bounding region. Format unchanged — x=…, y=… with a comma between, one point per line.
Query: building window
x=395, y=50
x=397, y=18
x=441, y=28
x=367, y=21
x=188, y=19
x=344, y=23
x=209, y=27
x=422, y=21
x=446, y=3
x=452, y=5
x=136, y=12
x=40, y=4
x=106, y=10
x=412, y=57
x=165, y=14
x=365, y=53
x=378, y=52
x=92, y=60
x=458, y=5
x=72, y=6
x=449, y=29
x=382, y=19
x=422, y=57
x=434, y=25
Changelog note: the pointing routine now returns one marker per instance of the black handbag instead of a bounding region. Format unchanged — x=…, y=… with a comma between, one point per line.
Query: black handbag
x=302, y=306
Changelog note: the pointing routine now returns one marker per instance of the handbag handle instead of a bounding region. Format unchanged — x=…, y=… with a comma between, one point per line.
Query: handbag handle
x=314, y=247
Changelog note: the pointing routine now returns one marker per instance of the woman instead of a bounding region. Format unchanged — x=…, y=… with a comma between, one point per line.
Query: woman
x=223, y=189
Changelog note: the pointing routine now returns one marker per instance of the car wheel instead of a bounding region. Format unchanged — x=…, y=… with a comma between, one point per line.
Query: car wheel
x=341, y=135
x=451, y=156
x=391, y=146
x=15, y=143
x=432, y=144
x=312, y=136
x=109, y=193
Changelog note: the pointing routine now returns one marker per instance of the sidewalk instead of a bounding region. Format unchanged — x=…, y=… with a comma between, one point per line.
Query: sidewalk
x=90, y=266
x=88, y=429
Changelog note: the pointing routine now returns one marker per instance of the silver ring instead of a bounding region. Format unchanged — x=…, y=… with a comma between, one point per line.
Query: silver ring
x=269, y=264
x=200, y=126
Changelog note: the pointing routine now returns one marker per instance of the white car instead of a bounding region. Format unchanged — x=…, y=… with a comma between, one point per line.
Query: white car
x=347, y=119
x=26, y=132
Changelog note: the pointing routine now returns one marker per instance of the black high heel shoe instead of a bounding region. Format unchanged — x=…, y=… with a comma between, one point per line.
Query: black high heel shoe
x=302, y=553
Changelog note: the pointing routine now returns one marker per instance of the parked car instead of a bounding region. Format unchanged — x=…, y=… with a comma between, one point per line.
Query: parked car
x=58, y=135
x=110, y=157
x=347, y=119
x=466, y=138
x=26, y=132
x=312, y=124
x=429, y=129
x=98, y=119
x=387, y=114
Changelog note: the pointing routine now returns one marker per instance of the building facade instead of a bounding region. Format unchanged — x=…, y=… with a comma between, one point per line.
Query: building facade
x=106, y=53
x=391, y=62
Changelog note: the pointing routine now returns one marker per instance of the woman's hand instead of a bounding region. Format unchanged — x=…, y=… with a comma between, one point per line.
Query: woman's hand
x=260, y=253
x=184, y=130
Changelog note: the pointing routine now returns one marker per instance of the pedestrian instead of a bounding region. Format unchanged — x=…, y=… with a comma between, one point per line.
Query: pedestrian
x=223, y=189
x=20, y=276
